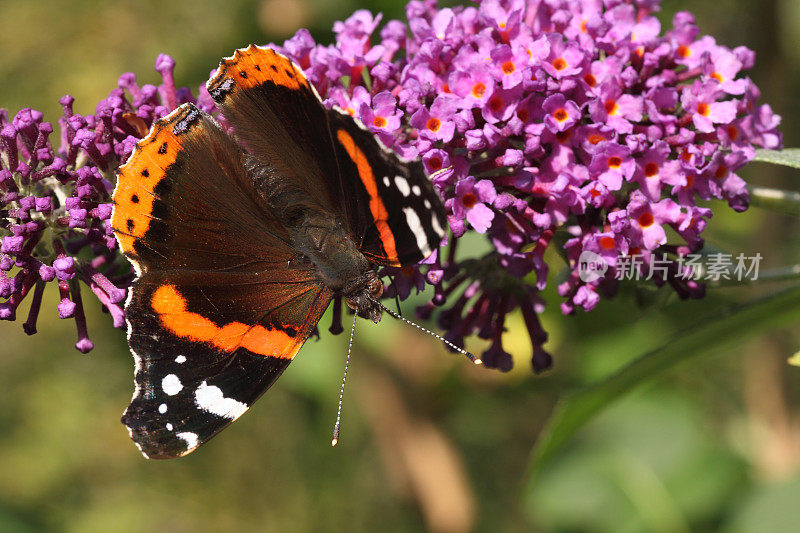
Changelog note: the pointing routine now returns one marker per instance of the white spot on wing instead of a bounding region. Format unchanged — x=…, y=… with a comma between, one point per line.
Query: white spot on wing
x=210, y=398
x=414, y=223
x=162, y=408
x=416, y=190
x=180, y=359
x=169, y=427
x=402, y=185
x=427, y=204
x=171, y=384
x=436, y=226
x=189, y=437
x=386, y=181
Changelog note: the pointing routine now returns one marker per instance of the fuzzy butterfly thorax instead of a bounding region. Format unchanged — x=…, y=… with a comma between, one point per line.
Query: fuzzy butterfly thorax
x=323, y=244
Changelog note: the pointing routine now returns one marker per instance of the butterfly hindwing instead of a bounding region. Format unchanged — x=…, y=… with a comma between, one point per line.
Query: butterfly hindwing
x=388, y=203
x=214, y=318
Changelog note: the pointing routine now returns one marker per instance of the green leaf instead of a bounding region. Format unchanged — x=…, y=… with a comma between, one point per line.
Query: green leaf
x=766, y=507
x=732, y=324
x=789, y=157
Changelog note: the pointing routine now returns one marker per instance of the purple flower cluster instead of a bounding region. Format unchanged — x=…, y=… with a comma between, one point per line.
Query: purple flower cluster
x=55, y=199
x=572, y=124
x=566, y=124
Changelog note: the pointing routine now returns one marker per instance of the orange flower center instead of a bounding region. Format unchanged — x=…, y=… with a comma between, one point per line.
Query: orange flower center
x=607, y=243
x=509, y=67
x=611, y=107
x=523, y=114
x=595, y=138
x=721, y=172
x=379, y=122
x=478, y=90
x=433, y=124
x=733, y=132
x=563, y=136
x=435, y=163
x=590, y=80
x=496, y=103
x=689, y=181
x=717, y=76
x=559, y=63
x=446, y=88
x=595, y=193
x=561, y=115
x=703, y=109
x=614, y=162
x=684, y=51
x=646, y=219
x=469, y=200
x=650, y=169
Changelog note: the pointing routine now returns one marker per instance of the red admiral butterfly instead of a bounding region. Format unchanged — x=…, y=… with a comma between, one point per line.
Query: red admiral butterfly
x=240, y=242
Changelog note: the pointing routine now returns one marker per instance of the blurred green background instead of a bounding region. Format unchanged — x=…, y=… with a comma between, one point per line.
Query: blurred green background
x=429, y=441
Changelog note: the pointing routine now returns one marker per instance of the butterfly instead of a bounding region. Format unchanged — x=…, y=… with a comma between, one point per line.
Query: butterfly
x=242, y=237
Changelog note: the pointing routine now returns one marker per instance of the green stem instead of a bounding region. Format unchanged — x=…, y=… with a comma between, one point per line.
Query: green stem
x=497, y=173
x=775, y=199
x=770, y=275
x=367, y=79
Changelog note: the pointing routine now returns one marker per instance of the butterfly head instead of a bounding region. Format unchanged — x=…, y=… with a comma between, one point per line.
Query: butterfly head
x=364, y=296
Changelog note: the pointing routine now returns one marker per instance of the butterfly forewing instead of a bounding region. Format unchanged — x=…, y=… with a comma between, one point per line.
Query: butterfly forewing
x=197, y=370
x=278, y=118
x=407, y=219
x=388, y=203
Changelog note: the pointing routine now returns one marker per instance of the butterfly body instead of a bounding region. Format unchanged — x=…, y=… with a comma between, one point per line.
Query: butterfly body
x=242, y=235
x=323, y=243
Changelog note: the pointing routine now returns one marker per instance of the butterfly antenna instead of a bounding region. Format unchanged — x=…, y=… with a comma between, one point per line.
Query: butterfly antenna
x=335, y=438
x=429, y=332
x=396, y=296
x=440, y=171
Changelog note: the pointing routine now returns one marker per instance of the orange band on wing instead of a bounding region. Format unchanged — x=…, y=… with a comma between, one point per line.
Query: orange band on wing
x=170, y=305
x=376, y=206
